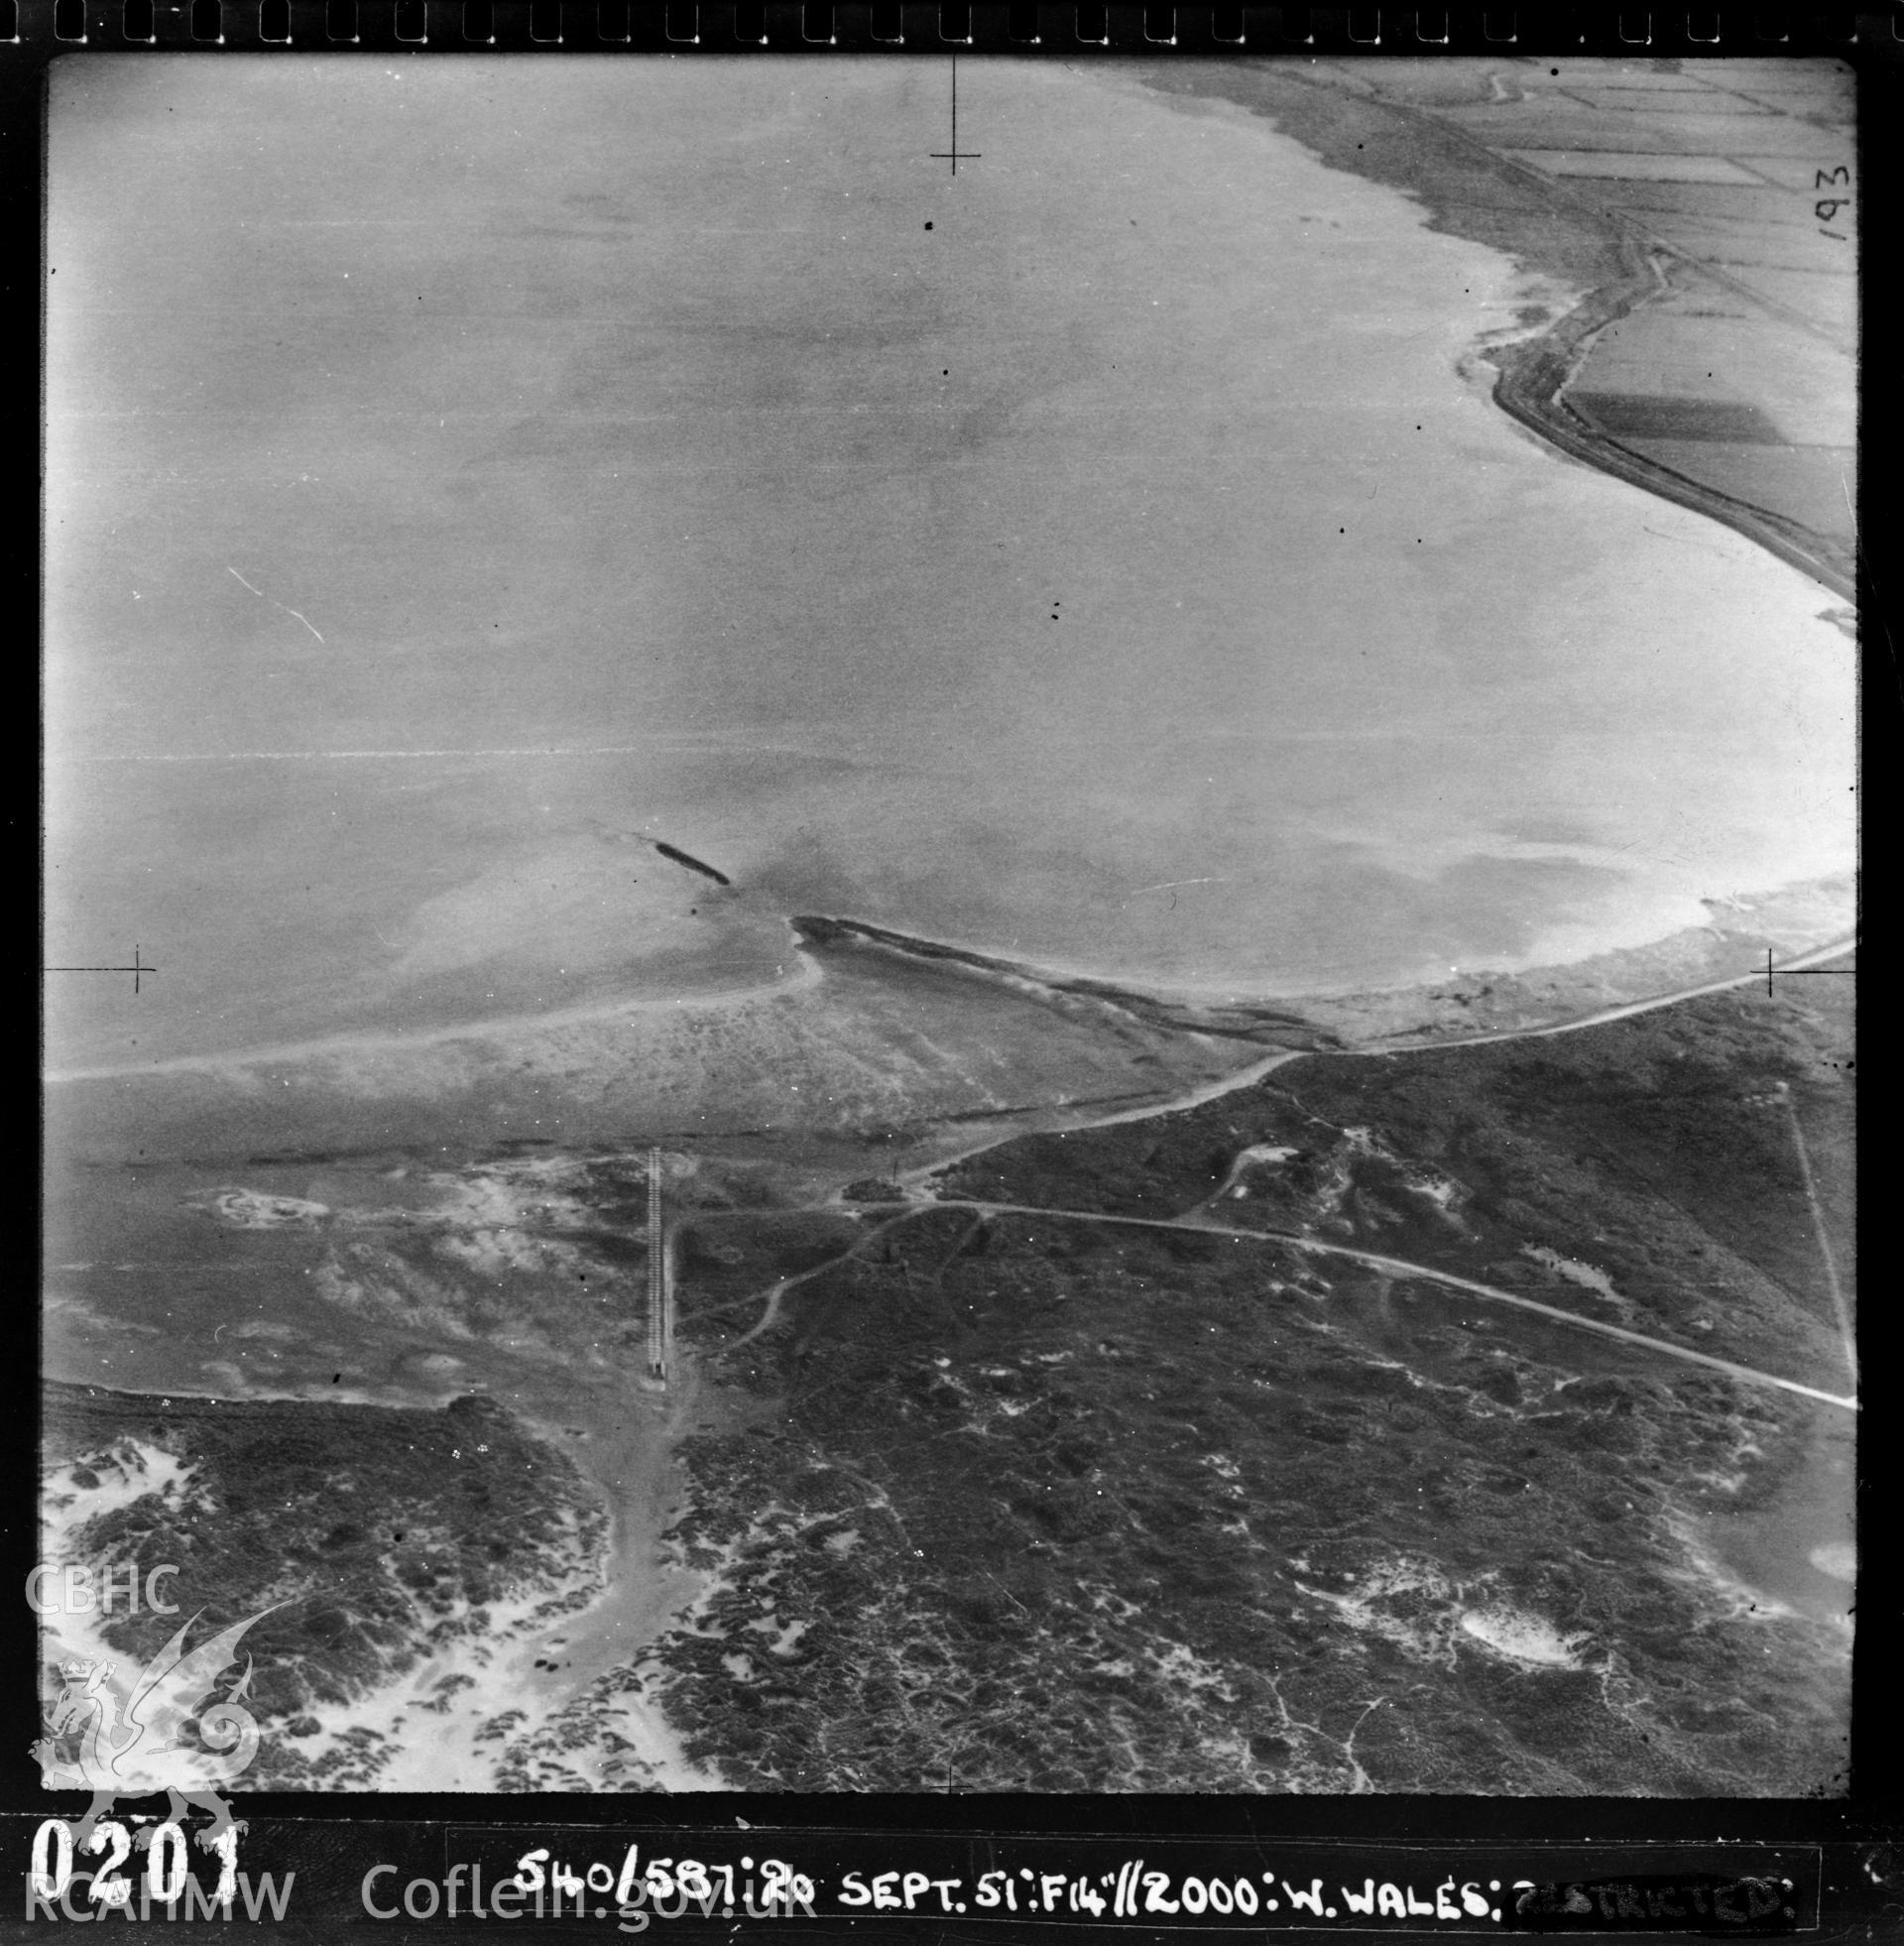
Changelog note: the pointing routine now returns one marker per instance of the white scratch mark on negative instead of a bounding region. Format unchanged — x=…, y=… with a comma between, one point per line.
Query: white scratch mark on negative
x=261, y=596
x=319, y=756
x=1170, y=884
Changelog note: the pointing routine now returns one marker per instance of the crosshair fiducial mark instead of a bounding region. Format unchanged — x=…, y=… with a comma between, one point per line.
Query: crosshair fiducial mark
x=138, y=969
x=955, y=155
x=1799, y=972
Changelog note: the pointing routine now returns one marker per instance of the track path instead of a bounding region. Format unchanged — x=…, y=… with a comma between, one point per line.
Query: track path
x=1797, y=963
x=1196, y=1223
x=1288, y=1239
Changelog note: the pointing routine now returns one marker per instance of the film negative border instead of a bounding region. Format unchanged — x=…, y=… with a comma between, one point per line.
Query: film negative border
x=919, y=26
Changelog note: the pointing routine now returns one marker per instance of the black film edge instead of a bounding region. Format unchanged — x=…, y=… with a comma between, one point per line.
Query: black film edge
x=922, y=27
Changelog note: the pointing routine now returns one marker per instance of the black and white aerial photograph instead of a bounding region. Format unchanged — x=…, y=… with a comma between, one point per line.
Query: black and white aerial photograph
x=949, y=927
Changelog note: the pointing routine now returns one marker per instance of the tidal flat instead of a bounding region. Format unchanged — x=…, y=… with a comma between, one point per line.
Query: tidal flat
x=1117, y=922
x=1096, y=1458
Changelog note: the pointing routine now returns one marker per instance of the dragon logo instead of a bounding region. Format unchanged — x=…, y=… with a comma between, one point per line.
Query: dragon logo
x=129, y=1742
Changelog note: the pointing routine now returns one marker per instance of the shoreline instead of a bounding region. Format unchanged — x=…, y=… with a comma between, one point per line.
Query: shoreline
x=1258, y=1019
x=1267, y=1017
x=1550, y=233
x=1465, y=188
x=1695, y=1433
x=638, y=1479
x=627, y=1442
x=1533, y=377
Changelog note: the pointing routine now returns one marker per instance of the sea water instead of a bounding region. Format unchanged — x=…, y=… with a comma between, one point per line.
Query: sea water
x=464, y=474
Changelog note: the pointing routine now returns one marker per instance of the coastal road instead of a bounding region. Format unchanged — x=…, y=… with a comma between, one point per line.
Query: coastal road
x=1796, y=965
x=921, y=1203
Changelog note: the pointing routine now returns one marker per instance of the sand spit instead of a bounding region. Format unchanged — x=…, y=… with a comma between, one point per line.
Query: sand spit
x=565, y=1689
x=1257, y=1022
x=1795, y=928
x=352, y=1047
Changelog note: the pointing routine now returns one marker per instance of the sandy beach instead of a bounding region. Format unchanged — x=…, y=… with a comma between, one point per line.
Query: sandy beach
x=1218, y=653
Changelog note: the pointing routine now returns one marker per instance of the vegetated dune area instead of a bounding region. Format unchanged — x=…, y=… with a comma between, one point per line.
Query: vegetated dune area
x=1249, y=1206
x=1266, y=1459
